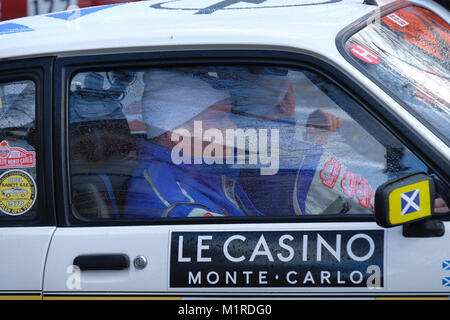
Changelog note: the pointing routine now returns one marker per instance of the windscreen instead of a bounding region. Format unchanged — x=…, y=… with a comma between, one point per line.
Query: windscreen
x=407, y=51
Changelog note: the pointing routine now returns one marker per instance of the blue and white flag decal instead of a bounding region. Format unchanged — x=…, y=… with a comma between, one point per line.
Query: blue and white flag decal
x=446, y=282
x=446, y=265
x=410, y=201
x=78, y=13
x=8, y=28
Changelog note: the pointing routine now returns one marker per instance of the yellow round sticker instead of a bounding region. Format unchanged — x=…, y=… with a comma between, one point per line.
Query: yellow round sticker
x=17, y=192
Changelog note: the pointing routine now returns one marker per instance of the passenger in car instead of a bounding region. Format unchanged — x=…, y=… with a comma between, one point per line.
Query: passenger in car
x=162, y=185
x=310, y=178
x=159, y=187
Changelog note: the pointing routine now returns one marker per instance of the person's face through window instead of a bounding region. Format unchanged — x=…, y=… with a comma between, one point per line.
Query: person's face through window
x=215, y=119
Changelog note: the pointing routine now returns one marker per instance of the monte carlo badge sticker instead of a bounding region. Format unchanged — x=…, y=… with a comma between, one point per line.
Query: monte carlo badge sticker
x=278, y=259
x=17, y=192
x=15, y=157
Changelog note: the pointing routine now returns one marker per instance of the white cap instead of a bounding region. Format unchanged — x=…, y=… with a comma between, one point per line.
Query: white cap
x=257, y=94
x=172, y=98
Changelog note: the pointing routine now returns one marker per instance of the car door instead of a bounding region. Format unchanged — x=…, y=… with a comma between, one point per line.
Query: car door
x=224, y=177
x=26, y=216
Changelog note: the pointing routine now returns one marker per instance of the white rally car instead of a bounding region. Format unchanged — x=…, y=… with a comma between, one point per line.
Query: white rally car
x=227, y=148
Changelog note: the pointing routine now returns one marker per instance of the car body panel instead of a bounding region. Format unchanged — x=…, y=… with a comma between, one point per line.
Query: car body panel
x=404, y=270
x=168, y=28
x=24, y=252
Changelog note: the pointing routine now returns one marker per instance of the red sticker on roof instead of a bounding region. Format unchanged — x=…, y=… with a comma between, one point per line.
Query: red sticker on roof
x=15, y=157
x=364, y=54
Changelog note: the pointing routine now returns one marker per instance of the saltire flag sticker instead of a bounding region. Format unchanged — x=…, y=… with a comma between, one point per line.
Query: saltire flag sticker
x=410, y=202
x=446, y=265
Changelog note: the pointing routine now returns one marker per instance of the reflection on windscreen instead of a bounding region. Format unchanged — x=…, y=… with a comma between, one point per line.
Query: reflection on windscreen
x=408, y=52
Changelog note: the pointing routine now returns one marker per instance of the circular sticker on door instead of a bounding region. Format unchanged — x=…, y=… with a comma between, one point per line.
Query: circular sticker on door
x=364, y=54
x=17, y=192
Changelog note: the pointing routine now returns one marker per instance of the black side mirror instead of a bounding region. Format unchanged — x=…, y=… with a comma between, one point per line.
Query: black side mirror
x=404, y=200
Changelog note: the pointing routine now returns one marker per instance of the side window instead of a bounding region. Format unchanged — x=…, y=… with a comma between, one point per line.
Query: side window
x=18, y=141
x=224, y=141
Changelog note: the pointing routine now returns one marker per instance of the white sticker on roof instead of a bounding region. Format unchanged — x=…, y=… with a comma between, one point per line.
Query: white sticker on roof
x=69, y=15
x=398, y=20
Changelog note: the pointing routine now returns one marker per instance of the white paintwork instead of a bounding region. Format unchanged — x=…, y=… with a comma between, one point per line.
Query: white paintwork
x=137, y=25
x=23, y=251
x=415, y=263
x=411, y=265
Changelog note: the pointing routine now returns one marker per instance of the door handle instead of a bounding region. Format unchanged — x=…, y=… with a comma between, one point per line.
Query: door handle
x=102, y=262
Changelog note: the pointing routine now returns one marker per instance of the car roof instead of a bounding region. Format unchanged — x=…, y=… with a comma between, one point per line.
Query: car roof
x=306, y=24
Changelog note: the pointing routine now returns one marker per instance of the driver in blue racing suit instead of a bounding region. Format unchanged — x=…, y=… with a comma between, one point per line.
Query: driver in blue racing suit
x=162, y=187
